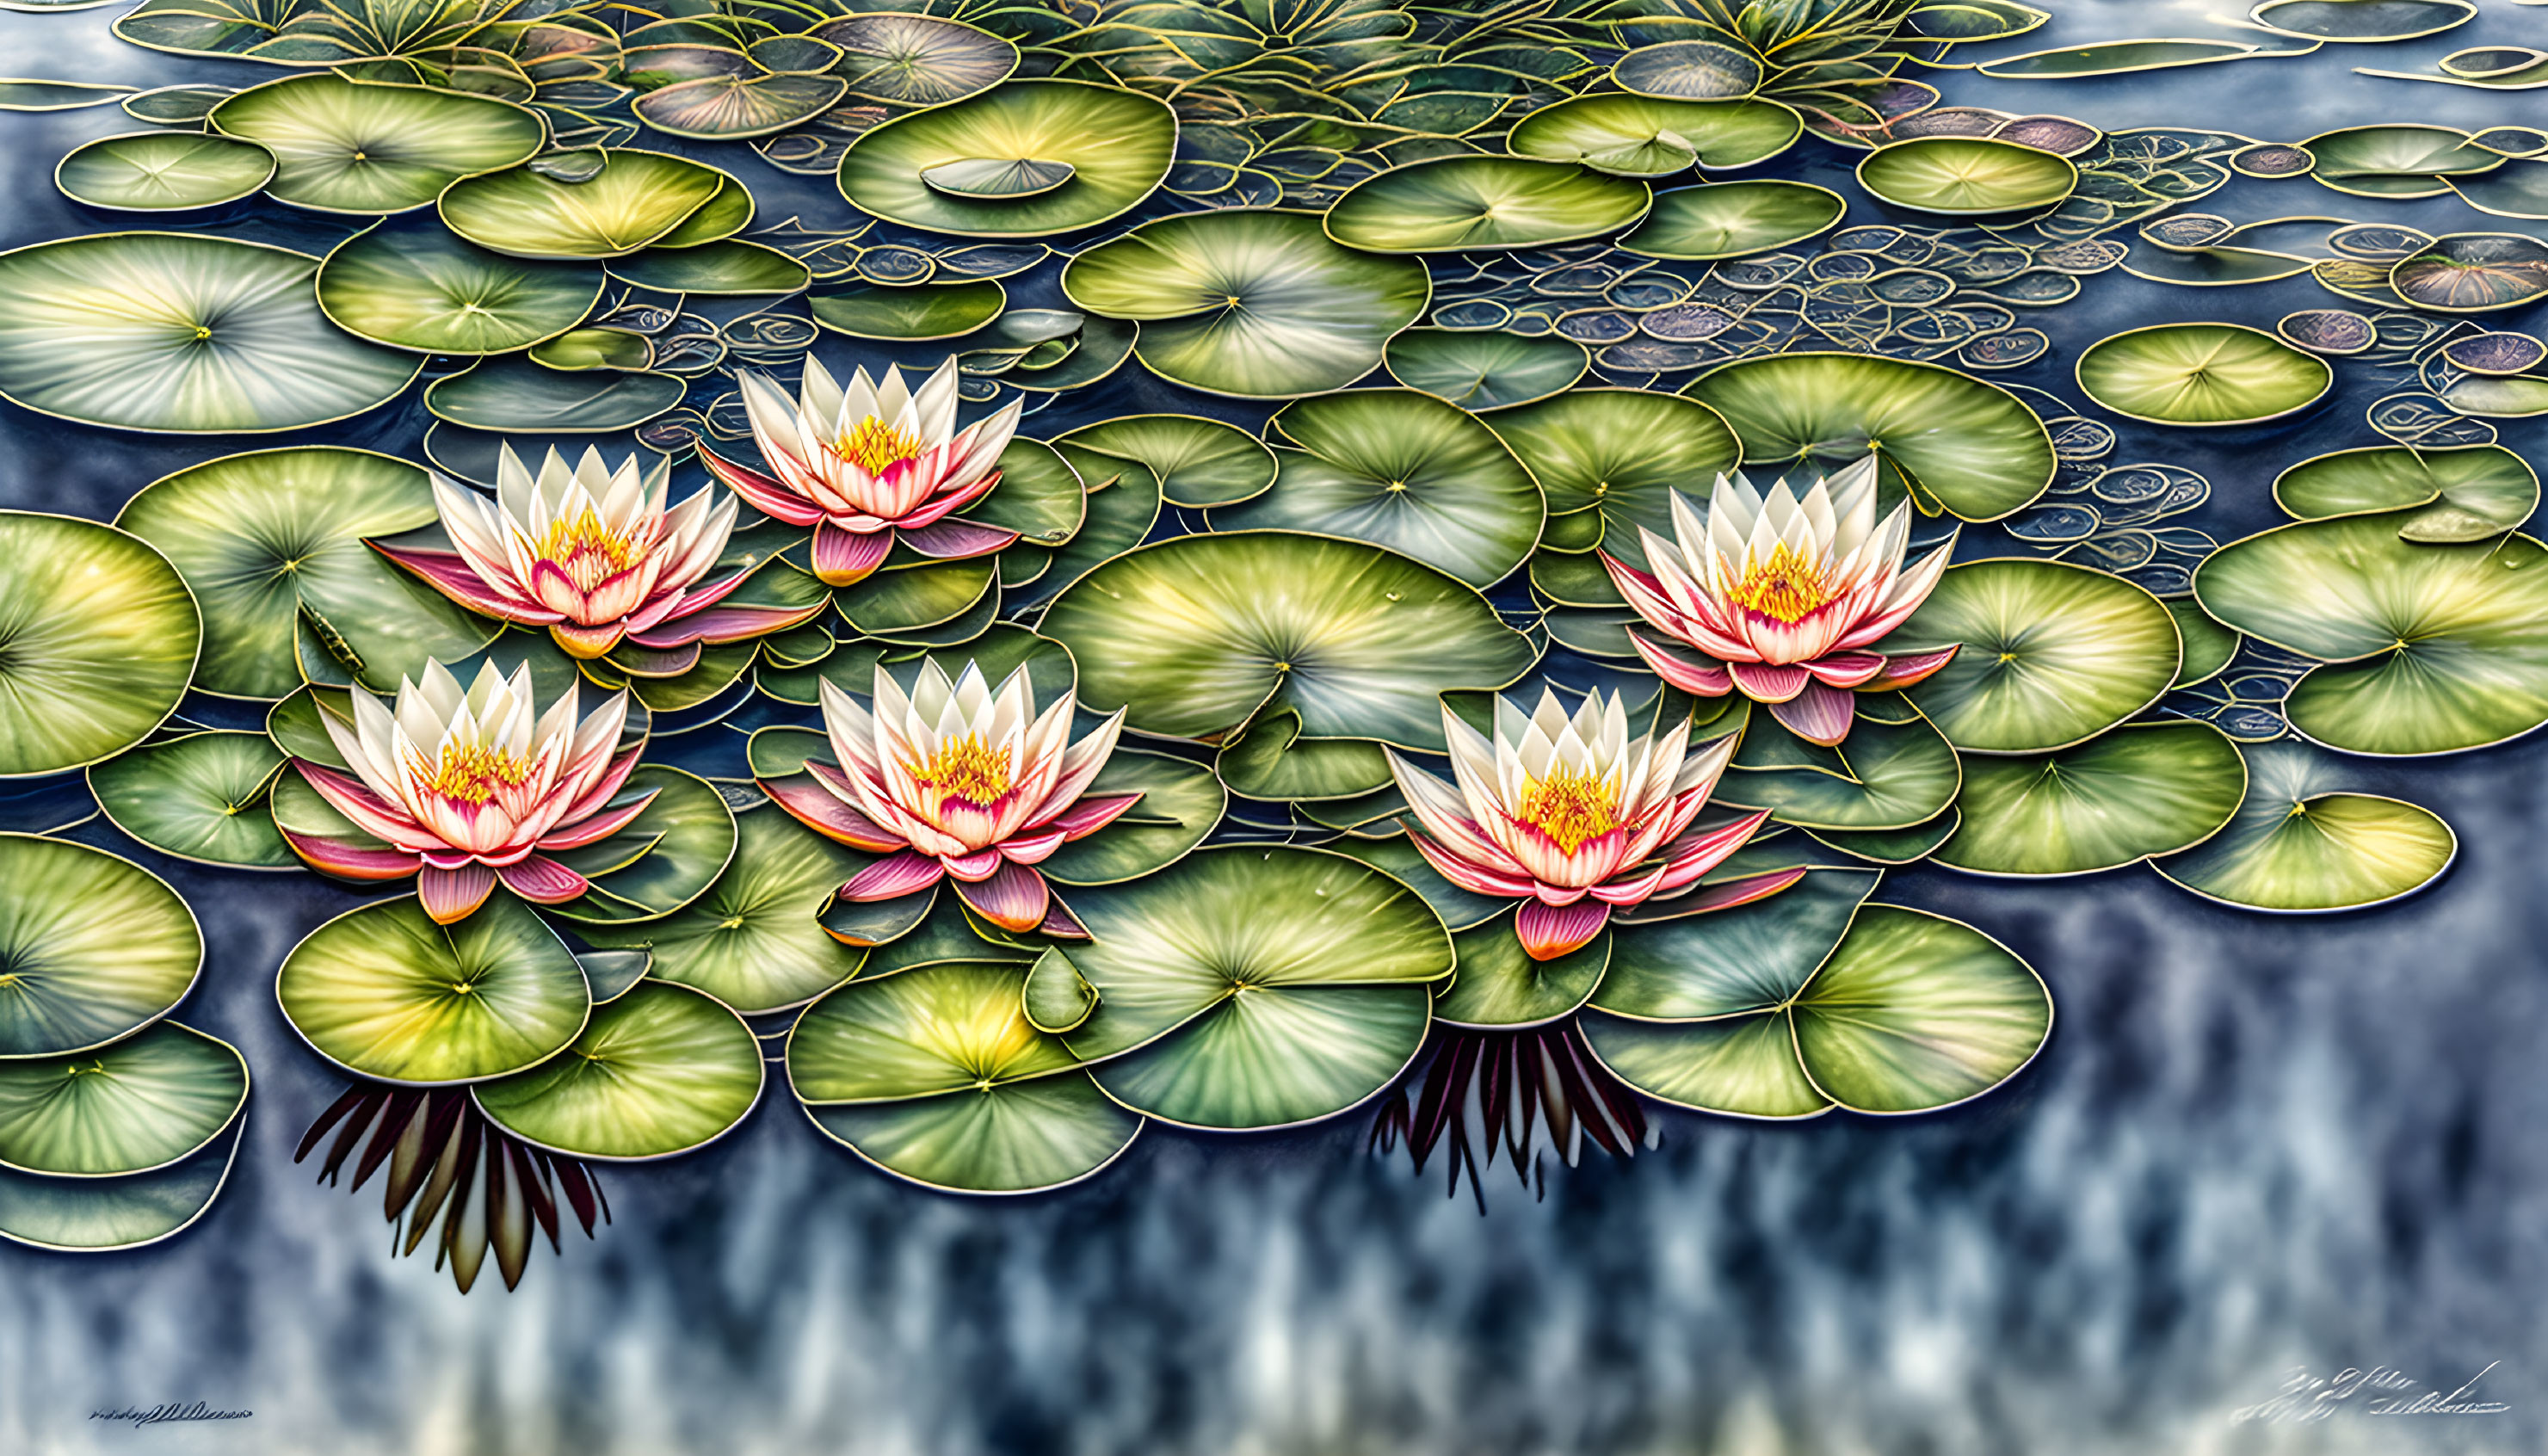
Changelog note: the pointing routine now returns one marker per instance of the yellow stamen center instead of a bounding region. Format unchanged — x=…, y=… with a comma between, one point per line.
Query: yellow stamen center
x=1568, y=807
x=589, y=551
x=1787, y=587
x=875, y=446
x=472, y=774
x=966, y=769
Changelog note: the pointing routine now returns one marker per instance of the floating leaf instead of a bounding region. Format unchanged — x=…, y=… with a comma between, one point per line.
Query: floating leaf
x=348, y=147
x=519, y=396
x=419, y=288
x=2468, y=494
x=2201, y=374
x=1966, y=176
x=658, y=1071
x=94, y=1215
x=1727, y=220
x=1198, y=462
x=2298, y=846
x=98, y=948
x=2359, y=21
x=2055, y=653
x=1619, y=454
x=917, y=59
x=163, y=171
x=145, y=1103
x=1119, y=144
x=199, y=798
x=2473, y=273
x=1639, y=137
x=924, y=311
x=2142, y=790
x=637, y=198
x=713, y=269
x=732, y=108
x=1468, y=203
x=1688, y=70
x=98, y=637
x=1485, y=371
x=2114, y=58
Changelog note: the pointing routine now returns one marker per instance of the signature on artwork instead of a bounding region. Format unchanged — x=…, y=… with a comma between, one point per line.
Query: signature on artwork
x=168, y=1411
x=2379, y=1391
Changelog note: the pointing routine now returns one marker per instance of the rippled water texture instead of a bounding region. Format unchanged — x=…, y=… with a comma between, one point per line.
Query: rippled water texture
x=2252, y=1144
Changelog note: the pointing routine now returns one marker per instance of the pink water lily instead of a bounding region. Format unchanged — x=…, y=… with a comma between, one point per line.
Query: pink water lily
x=471, y=786
x=1570, y=815
x=594, y=555
x=1782, y=596
x=953, y=781
x=870, y=465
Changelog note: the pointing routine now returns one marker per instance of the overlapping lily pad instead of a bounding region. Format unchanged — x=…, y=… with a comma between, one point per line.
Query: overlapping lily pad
x=360, y=146
x=2053, y=654
x=1458, y=203
x=2396, y=160
x=2300, y=844
x=419, y=288
x=1728, y=220
x=2201, y=374
x=97, y=947
x=198, y=797
x=637, y=198
x=1119, y=146
x=145, y=1103
x=516, y=397
x=2473, y=273
x=1198, y=462
x=1643, y=136
x=94, y=1215
x=163, y=171
x=1620, y=453
x=658, y=1071
x=98, y=638
x=737, y=107
x=2465, y=494
x=1966, y=176
x=916, y=60
x=1478, y=370
x=2140, y=791
x=922, y=312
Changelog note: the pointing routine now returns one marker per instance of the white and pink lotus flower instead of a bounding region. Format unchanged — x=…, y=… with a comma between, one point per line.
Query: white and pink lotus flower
x=469, y=786
x=870, y=465
x=955, y=780
x=1781, y=596
x=1568, y=814
x=593, y=554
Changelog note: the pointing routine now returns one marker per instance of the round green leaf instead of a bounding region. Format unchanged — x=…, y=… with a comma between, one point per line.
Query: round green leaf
x=714, y=269
x=98, y=637
x=1885, y=775
x=1180, y=803
x=1966, y=176
x=915, y=598
x=386, y=993
x=1915, y=1012
x=1401, y=469
x=1193, y=635
x=170, y=333
x=2356, y=22
x=1620, y=453
x=1741, y=1066
x=1642, y=137
x=2201, y=374
x=658, y=1071
x=1950, y=439
x=732, y=108
x=1688, y=70
x=636, y=197
x=2468, y=493
x=199, y=798
x=2208, y=645
x=1727, y=220
x=1485, y=371
x=92, y=947
x=163, y=171
x=1119, y=144
x=359, y=146
x=420, y=287
x=1056, y=996
x=946, y=1026
x=2298, y=846
x=1730, y=963
x=1496, y=985
x=1198, y=462
x=93, y=1214
x=1016, y=1137
x=1456, y=204
x=924, y=311
x=2396, y=160
x=916, y=60
x=2055, y=653
x=1259, y=305
x=517, y=396
x=2142, y=790
x=667, y=857
x=272, y=539
x=593, y=348
x=145, y=1103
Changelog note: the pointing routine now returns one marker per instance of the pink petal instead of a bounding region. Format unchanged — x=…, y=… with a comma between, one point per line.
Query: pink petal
x=1031, y=849
x=1769, y=682
x=1690, y=675
x=543, y=880
x=592, y=799
x=1903, y=669
x=585, y=641
x=1466, y=876
x=822, y=811
x=599, y=827
x=1629, y=891
x=759, y=492
x=906, y=872
x=726, y=624
x=955, y=540
x=351, y=798
x=1091, y=815
x=1819, y=714
x=1014, y=898
x=1060, y=924
x=979, y=864
x=845, y=558
x=1550, y=931
x=449, y=572
x=1844, y=669
x=1688, y=858
x=450, y=895
x=949, y=503
x=351, y=862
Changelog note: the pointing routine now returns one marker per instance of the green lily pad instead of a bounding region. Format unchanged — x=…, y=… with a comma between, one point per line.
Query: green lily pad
x=1456, y=204
x=97, y=640
x=2361, y=21
x=1270, y=759
x=96, y=948
x=1741, y=1066
x=271, y=539
x=2428, y=648
x=667, y=857
x=517, y=396
x=1643, y=136
x=714, y=269
x=1193, y=635
x=1620, y=453
x=2516, y=189
x=145, y=1103
x=163, y=171
x=359, y=146
x=1885, y=775
x=1401, y=469
x=658, y=1071
x=2518, y=398
x=733, y=108
x=2142, y=790
x=2473, y=273
x=2114, y=57
x=1727, y=220
x=20, y=95
x=1017, y=1138
x=1119, y=144
x=913, y=598
x=1259, y=305
x=1056, y=998
x=198, y=797
x=1496, y=985
x=752, y=940
x=1750, y=958
x=1952, y=440
x=1181, y=803
x=1966, y=176
x=912, y=59
x=95, y=1214
x=2467, y=493
x=721, y=216
x=593, y=348
x=1198, y=462
x=2208, y=645
x=637, y=198
x=1688, y=70
x=386, y=993
x=2201, y=374
x=170, y=333
x=1250, y=988
x=2400, y=161
x=2055, y=653
x=1485, y=371
x=945, y=1027
x=2298, y=845
x=420, y=287
x=923, y=312
x=998, y=177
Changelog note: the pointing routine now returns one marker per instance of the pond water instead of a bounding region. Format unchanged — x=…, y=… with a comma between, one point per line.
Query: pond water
x=2254, y=1146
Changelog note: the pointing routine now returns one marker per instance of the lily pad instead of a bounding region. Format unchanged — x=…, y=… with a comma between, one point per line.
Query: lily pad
x=1198, y=462
x=360, y=146
x=98, y=637
x=2114, y=57
x=911, y=59
x=1750, y=958
x=94, y=1215
x=714, y=269
x=1249, y=988
x=2208, y=645
x=1485, y=371
x=1620, y=453
x=516, y=396
x=1950, y=439
x=2201, y=374
x=97, y=947
x=667, y=857
x=2428, y=648
x=2055, y=653
x=1966, y=176
x=734, y=108
x=1401, y=469
x=2142, y=790
x=637, y=198
x=2473, y=273
x=593, y=348
x=1194, y=635
x=2299, y=845
x=1456, y=204
x=1887, y=775
x=1119, y=144
x=1259, y=305
x=270, y=540
x=2495, y=353
x=658, y=1071
x=419, y=288
x=1498, y=986
x=1643, y=136
x=1181, y=803
x=170, y=333
x=922, y=312
x=2363, y=21
x=163, y=171
x=146, y=1102
x=199, y=798
x=1688, y=70
x=2467, y=493
x=1728, y=220
x=386, y=993
x=2396, y=160
x=1019, y=1137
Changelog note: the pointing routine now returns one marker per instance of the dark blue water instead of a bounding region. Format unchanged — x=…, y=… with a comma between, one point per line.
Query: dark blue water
x=2254, y=1147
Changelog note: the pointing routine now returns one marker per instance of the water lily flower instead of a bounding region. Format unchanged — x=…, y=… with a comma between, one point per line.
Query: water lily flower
x=591, y=554
x=1568, y=814
x=953, y=781
x=1781, y=596
x=870, y=465
x=471, y=786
